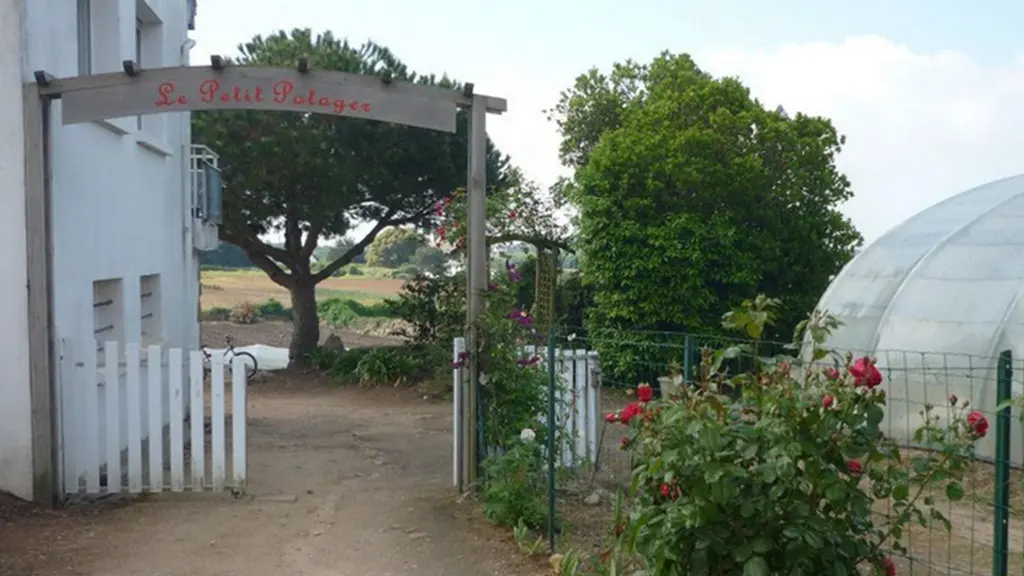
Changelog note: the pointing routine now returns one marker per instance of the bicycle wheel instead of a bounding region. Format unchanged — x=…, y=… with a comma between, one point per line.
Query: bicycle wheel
x=250, y=364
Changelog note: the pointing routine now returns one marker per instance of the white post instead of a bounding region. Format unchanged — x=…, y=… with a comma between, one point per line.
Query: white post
x=458, y=421
x=239, y=418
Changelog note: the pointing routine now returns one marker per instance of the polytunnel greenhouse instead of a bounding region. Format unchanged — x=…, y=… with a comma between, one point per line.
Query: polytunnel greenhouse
x=936, y=300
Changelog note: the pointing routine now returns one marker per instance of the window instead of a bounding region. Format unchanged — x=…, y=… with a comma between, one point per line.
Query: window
x=149, y=309
x=213, y=196
x=84, y=37
x=206, y=185
x=107, y=314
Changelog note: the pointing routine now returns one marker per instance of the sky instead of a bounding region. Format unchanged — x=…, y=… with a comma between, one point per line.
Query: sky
x=930, y=94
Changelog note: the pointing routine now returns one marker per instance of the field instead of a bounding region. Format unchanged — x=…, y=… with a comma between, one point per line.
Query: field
x=226, y=288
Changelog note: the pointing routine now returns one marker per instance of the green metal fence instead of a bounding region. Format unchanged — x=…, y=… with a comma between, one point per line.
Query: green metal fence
x=987, y=535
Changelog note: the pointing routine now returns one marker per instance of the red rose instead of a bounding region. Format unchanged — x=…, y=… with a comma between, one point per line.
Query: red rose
x=978, y=424
x=827, y=401
x=611, y=417
x=512, y=214
x=644, y=393
x=666, y=490
x=890, y=568
x=953, y=399
x=864, y=373
x=854, y=468
x=629, y=412
x=832, y=373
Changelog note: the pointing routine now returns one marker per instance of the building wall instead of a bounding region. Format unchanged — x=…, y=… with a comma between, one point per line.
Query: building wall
x=15, y=409
x=120, y=199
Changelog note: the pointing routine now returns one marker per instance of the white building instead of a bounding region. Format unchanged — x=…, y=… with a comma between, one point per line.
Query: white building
x=124, y=261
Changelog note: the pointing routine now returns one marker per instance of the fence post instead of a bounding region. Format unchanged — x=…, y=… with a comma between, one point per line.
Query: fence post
x=1001, y=538
x=458, y=416
x=551, y=440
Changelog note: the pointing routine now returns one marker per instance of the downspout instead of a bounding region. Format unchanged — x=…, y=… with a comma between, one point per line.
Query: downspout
x=190, y=283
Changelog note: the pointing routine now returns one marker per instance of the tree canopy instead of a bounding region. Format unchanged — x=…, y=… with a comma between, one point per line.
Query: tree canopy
x=394, y=247
x=313, y=177
x=226, y=255
x=693, y=196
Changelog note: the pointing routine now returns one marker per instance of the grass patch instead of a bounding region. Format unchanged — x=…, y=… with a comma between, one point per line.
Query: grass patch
x=354, y=295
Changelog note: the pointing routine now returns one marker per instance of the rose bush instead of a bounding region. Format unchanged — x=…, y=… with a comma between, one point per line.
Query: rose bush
x=513, y=484
x=784, y=477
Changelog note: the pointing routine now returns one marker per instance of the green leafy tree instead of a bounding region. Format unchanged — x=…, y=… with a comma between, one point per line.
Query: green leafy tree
x=394, y=247
x=313, y=177
x=429, y=259
x=336, y=249
x=226, y=255
x=692, y=196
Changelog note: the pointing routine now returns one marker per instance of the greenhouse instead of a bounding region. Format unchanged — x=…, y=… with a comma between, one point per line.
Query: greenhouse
x=936, y=299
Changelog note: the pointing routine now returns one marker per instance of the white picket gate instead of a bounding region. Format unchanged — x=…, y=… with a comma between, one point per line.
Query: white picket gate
x=108, y=431
x=577, y=403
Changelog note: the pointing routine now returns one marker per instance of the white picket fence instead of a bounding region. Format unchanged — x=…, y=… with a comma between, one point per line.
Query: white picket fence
x=138, y=423
x=577, y=403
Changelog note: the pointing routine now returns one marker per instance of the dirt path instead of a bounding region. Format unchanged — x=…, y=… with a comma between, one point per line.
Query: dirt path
x=342, y=482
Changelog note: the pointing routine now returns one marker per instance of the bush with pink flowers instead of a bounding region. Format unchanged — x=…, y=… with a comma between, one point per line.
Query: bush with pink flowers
x=784, y=477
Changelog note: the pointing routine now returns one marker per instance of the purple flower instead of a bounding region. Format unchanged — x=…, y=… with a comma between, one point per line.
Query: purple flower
x=514, y=275
x=521, y=316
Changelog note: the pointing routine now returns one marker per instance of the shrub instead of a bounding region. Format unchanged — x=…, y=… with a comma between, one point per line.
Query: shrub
x=407, y=272
x=243, y=313
x=367, y=366
x=514, y=484
x=340, y=365
x=383, y=366
x=434, y=307
x=355, y=271
x=272, y=308
x=341, y=312
x=785, y=477
x=339, y=272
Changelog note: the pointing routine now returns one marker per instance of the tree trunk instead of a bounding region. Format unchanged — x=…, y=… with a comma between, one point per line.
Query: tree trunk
x=305, y=324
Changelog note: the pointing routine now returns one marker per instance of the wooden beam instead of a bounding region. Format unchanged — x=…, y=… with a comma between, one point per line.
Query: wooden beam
x=60, y=87
x=248, y=88
x=476, y=190
x=39, y=253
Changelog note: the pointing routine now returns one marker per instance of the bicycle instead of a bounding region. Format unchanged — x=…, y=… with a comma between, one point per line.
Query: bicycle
x=251, y=365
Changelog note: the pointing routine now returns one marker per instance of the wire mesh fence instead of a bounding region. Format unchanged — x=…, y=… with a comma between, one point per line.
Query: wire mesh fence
x=986, y=534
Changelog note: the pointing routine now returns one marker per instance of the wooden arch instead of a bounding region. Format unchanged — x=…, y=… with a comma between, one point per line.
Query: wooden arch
x=221, y=86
